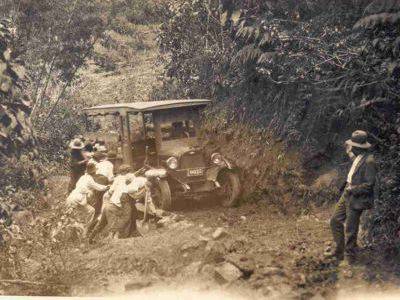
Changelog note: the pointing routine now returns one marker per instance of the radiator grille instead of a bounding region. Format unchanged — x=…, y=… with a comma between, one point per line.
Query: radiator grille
x=192, y=160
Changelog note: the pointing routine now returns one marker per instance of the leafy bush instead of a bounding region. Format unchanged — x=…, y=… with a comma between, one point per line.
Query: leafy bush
x=196, y=46
x=59, y=64
x=267, y=171
x=15, y=129
x=54, y=38
x=104, y=62
x=136, y=11
x=16, y=135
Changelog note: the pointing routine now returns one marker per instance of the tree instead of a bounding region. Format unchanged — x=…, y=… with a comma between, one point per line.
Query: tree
x=16, y=135
x=15, y=128
x=54, y=38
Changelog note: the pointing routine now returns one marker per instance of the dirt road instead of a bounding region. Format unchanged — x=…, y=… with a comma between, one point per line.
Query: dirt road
x=199, y=251
x=277, y=256
x=184, y=252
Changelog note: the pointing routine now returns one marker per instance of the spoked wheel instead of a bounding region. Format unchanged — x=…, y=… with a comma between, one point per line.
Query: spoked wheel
x=230, y=188
x=162, y=195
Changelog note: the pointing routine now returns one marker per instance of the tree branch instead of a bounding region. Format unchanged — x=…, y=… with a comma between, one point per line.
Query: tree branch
x=83, y=59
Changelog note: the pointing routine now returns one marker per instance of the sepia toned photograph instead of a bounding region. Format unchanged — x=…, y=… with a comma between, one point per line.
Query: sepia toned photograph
x=200, y=149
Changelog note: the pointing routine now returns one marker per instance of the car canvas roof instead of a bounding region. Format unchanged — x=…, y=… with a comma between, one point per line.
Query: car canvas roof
x=145, y=106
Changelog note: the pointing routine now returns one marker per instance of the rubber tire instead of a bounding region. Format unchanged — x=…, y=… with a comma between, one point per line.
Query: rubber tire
x=165, y=195
x=234, y=181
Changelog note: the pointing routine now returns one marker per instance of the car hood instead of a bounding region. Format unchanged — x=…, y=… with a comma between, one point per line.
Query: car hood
x=178, y=147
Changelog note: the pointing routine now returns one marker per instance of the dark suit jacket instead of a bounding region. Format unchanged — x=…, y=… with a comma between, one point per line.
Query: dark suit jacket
x=361, y=194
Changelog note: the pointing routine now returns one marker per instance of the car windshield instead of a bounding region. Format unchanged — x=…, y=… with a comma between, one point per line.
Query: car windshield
x=178, y=130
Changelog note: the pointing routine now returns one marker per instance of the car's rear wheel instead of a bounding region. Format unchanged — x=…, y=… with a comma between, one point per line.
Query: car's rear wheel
x=230, y=188
x=163, y=197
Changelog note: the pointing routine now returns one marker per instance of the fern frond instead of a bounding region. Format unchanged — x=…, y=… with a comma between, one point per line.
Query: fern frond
x=380, y=12
x=266, y=57
x=246, y=33
x=248, y=54
x=382, y=6
x=266, y=39
x=378, y=19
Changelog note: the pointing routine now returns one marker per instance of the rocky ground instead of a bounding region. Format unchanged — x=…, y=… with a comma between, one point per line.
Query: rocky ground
x=198, y=251
x=206, y=251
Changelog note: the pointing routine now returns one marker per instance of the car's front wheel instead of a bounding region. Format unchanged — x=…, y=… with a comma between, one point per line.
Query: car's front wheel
x=163, y=197
x=230, y=188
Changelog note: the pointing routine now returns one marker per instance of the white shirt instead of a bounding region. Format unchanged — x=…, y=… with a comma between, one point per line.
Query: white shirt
x=353, y=168
x=117, y=189
x=105, y=168
x=100, y=148
x=84, y=188
x=136, y=185
x=120, y=187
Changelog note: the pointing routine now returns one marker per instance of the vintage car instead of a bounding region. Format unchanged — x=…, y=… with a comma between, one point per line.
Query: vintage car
x=165, y=138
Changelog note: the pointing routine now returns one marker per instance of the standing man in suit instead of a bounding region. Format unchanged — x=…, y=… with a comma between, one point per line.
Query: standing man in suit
x=358, y=195
x=78, y=163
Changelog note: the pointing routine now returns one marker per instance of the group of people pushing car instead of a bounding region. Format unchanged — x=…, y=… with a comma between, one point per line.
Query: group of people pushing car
x=92, y=181
x=99, y=195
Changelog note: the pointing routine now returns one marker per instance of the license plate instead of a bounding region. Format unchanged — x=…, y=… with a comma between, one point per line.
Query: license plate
x=195, y=172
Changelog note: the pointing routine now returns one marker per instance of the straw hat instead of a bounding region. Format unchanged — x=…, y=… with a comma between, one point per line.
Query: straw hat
x=76, y=144
x=359, y=140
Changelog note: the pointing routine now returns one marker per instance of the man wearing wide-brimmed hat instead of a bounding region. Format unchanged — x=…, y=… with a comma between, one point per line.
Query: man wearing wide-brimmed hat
x=357, y=196
x=77, y=163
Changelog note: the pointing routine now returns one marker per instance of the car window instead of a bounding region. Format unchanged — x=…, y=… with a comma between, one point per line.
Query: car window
x=178, y=130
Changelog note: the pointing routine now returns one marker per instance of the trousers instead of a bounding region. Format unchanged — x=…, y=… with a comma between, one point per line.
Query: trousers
x=97, y=201
x=344, y=215
x=120, y=220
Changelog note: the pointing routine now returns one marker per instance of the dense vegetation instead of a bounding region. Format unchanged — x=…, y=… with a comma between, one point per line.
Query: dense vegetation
x=308, y=71
x=45, y=47
x=54, y=39
x=43, y=44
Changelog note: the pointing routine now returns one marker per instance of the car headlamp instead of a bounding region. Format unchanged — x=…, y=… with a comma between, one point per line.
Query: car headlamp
x=216, y=158
x=172, y=163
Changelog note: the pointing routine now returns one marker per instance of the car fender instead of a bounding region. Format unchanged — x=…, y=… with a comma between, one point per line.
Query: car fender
x=214, y=172
x=229, y=164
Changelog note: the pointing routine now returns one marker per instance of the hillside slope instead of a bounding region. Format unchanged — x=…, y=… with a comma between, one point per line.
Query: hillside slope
x=132, y=58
